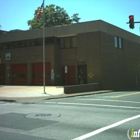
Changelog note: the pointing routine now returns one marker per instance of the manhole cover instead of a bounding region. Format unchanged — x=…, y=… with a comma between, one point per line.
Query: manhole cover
x=43, y=115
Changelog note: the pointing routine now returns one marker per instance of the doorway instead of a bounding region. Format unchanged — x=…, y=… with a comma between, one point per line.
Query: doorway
x=82, y=74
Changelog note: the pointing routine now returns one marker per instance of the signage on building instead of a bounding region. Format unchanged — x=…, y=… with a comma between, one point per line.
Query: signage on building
x=52, y=75
x=90, y=74
x=66, y=69
x=8, y=56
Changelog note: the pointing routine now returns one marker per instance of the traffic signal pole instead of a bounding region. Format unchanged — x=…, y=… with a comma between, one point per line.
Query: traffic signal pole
x=134, y=22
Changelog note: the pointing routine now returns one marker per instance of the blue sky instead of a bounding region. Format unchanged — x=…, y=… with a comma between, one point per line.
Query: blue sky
x=14, y=14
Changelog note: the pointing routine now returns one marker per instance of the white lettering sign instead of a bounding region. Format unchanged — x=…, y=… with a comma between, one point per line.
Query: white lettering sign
x=8, y=56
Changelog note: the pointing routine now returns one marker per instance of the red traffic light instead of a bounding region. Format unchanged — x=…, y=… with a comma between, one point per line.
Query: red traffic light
x=131, y=21
x=131, y=17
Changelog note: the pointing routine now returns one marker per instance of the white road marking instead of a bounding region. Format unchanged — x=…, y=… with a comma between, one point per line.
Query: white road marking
x=99, y=105
x=105, y=128
x=112, y=100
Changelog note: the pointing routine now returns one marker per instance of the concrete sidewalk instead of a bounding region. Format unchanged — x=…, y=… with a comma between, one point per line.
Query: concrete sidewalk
x=22, y=93
x=30, y=91
x=35, y=93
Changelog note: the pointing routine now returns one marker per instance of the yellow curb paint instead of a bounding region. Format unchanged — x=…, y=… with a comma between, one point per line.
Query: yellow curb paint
x=123, y=95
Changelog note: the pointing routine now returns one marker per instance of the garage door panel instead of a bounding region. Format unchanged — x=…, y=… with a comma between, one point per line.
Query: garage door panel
x=37, y=70
x=69, y=78
x=19, y=74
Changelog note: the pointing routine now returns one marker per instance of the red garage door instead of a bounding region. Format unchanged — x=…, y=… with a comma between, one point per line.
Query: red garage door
x=19, y=74
x=2, y=74
x=37, y=70
x=69, y=78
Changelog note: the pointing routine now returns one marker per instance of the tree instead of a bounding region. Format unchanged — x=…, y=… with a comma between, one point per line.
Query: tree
x=54, y=15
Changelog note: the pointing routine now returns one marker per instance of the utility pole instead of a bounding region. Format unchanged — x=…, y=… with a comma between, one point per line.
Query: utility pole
x=41, y=11
x=44, y=64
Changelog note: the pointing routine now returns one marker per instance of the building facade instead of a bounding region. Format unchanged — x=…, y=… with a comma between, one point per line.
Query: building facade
x=89, y=52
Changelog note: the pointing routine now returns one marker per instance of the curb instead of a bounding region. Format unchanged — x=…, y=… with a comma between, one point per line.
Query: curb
x=35, y=99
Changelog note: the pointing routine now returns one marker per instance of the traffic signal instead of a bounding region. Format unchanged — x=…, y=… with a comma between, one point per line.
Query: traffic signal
x=131, y=21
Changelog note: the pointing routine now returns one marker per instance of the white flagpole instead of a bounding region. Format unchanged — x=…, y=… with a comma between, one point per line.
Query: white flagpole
x=44, y=75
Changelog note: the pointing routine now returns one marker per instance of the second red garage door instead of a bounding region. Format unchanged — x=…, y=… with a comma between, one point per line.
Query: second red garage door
x=37, y=70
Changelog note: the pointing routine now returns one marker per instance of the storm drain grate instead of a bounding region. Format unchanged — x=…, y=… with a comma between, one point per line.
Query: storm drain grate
x=43, y=116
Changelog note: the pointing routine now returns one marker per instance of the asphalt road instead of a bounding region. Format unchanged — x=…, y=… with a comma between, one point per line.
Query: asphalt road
x=108, y=116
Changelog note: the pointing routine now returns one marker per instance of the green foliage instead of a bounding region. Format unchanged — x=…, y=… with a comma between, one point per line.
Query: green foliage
x=54, y=15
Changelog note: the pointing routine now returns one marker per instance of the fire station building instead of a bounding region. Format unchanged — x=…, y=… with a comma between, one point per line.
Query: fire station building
x=88, y=52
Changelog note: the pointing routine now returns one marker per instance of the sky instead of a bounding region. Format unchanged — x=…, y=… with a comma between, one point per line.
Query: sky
x=14, y=14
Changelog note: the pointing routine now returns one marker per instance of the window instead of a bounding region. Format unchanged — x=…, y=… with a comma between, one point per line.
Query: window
x=1, y=46
x=118, y=42
x=38, y=42
x=22, y=44
x=73, y=42
x=11, y=45
x=50, y=40
x=62, y=43
x=17, y=44
x=0, y=58
x=57, y=41
x=5, y=46
x=26, y=43
x=31, y=43
x=68, y=42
